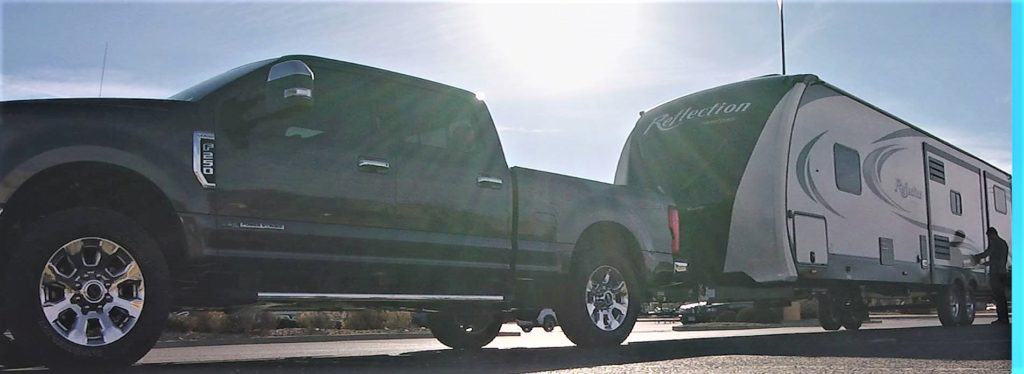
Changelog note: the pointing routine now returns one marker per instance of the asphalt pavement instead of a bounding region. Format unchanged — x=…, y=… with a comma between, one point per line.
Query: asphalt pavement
x=893, y=344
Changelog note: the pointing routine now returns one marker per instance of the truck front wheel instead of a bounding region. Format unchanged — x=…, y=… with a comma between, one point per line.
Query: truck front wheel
x=598, y=308
x=87, y=288
x=464, y=330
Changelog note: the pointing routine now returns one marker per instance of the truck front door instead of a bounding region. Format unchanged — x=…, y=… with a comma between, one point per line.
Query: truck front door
x=310, y=193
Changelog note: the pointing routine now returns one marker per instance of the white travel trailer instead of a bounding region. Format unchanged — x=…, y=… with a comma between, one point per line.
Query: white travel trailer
x=789, y=187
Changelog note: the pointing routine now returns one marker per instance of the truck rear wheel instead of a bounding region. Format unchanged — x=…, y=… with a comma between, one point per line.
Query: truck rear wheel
x=464, y=331
x=87, y=288
x=597, y=309
x=949, y=303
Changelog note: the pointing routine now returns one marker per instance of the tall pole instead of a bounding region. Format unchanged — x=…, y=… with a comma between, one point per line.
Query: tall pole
x=103, y=70
x=781, y=30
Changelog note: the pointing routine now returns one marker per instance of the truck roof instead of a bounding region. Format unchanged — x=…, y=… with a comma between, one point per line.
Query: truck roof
x=201, y=89
x=405, y=78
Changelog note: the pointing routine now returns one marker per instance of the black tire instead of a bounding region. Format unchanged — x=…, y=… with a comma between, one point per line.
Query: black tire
x=464, y=331
x=968, y=308
x=572, y=311
x=31, y=329
x=828, y=313
x=949, y=303
x=851, y=321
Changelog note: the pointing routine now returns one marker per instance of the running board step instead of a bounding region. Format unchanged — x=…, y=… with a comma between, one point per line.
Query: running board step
x=292, y=297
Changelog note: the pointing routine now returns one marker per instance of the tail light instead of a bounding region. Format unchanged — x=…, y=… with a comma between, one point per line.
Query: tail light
x=673, y=226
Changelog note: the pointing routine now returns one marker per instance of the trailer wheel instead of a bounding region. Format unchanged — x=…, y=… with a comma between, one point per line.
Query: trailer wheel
x=949, y=303
x=851, y=321
x=828, y=313
x=464, y=331
x=598, y=309
x=969, y=308
x=87, y=288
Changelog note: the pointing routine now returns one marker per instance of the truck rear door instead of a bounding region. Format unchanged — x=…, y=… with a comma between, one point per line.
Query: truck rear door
x=454, y=194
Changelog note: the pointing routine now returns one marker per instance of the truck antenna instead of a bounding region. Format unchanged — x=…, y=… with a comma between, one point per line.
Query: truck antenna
x=103, y=70
x=782, y=36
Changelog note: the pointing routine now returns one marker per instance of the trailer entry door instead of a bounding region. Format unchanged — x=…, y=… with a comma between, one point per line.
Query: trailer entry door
x=811, y=234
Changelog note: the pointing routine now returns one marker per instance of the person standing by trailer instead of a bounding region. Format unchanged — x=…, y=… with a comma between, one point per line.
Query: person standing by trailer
x=997, y=252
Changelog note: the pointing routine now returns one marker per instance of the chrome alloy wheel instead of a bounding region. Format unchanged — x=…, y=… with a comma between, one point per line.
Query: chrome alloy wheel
x=92, y=291
x=607, y=298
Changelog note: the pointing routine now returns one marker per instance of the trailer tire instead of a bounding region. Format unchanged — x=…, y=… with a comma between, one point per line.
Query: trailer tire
x=851, y=321
x=464, y=331
x=949, y=303
x=597, y=289
x=969, y=308
x=103, y=278
x=828, y=313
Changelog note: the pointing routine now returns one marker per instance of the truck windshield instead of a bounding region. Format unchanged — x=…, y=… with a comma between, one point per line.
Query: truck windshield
x=204, y=88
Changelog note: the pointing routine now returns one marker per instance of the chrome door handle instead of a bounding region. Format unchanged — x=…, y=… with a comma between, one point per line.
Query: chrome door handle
x=492, y=182
x=373, y=165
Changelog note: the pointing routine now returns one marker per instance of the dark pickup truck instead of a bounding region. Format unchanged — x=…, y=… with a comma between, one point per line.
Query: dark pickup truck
x=311, y=181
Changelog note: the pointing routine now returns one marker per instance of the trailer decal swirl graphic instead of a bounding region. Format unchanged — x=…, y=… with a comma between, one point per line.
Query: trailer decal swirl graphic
x=805, y=177
x=901, y=133
x=872, y=172
x=967, y=243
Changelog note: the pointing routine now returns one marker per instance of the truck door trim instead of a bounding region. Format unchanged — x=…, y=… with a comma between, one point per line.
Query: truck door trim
x=280, y=296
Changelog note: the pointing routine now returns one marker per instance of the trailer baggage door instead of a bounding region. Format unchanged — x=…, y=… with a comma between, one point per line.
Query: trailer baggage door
x=956, y=224
x=811, y=234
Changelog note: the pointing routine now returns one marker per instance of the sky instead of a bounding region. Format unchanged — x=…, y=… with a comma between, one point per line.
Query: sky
x=564, y=82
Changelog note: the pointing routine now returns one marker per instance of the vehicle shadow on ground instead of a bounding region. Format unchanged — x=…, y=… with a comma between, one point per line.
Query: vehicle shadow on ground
x=938, y=343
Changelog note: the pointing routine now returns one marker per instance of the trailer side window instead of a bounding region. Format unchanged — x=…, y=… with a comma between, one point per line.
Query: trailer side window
x=847, y=164
x=956, y=203
x=999, y=199
x=936, y=170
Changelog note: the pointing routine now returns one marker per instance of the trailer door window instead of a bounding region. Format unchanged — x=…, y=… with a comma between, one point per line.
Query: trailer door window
x=999, y=199
x=956, y=203
x=847, y=164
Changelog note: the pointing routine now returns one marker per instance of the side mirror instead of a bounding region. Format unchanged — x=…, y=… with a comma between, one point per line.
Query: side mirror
x=289, y=88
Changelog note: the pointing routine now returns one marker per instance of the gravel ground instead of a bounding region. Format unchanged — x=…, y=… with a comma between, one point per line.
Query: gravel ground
x=790, y=364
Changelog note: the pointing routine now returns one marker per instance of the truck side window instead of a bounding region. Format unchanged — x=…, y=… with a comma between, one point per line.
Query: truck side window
x=342, y=115
x=999, y=199
x=438, y=121
x=847, y=165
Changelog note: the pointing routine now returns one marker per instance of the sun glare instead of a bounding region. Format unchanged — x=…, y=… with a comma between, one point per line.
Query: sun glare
x=559, y=48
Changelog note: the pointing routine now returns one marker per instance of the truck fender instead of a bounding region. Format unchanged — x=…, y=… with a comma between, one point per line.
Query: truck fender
x=171, y=188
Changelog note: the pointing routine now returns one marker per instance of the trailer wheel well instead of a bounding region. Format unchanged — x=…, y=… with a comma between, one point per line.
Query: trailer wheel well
x=611, y=237
x=93, y=184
